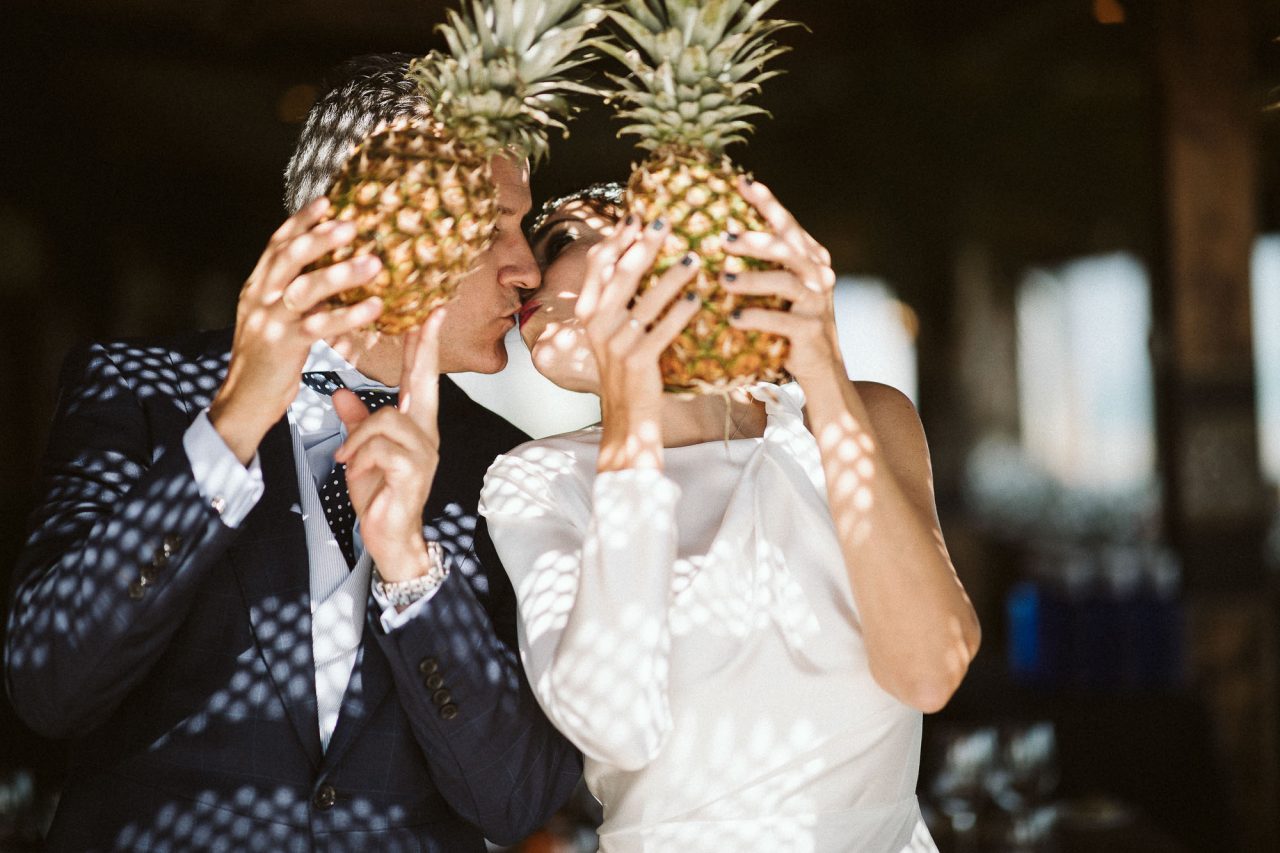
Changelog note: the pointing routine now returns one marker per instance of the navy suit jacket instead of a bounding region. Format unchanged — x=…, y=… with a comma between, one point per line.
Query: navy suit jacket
x=176, y=652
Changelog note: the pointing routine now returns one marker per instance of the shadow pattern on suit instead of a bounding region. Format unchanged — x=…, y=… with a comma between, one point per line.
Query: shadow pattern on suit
x=176, y=652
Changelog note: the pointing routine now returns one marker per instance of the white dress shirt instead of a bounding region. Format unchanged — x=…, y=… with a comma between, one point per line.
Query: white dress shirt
x=338, y=593
x=694, y=632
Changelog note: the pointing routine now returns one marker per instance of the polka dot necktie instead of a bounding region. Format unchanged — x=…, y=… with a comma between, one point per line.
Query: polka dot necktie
x=333, y=491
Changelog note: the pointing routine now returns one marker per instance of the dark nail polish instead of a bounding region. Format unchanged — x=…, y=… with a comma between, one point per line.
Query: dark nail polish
x=687, y=260
x=750, y=180
x=737, y=314
x=690, y=296
x=731, y=276
x=659, y=224
x=731, y=237
x=629, y=220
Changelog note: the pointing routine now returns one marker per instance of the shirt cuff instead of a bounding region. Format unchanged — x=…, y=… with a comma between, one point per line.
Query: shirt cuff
x=230, y=488
x=392, y=619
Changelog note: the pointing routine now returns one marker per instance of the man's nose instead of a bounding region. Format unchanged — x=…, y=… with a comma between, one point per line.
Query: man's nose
x=521, y=271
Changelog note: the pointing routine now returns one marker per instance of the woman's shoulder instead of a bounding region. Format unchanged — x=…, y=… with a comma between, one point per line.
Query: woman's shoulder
x=581, y=445
x=550, y=468
x=884, y=402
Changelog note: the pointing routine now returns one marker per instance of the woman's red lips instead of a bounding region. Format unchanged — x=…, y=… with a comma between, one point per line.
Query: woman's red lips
x=526, y=311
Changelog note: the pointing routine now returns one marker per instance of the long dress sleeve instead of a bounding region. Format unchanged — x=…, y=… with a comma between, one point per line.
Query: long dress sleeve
x=591, y=564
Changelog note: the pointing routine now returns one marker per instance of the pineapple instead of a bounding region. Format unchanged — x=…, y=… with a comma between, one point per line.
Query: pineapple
x=692, y=66
x=419, y=190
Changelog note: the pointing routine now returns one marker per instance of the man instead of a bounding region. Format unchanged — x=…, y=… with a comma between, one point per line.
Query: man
x=192, y=610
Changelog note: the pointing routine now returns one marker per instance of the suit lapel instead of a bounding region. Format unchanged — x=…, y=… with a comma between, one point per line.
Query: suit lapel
x=370, y=682
x=271, y=563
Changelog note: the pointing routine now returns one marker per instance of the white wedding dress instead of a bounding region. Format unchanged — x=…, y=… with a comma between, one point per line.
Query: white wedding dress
x=693, y=632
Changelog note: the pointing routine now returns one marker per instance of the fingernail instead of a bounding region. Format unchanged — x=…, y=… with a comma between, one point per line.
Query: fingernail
x=689, y=296
x=629, y=220
x=369, y=262
x=687, y=260
x=659, y=224
x=736, y=315
x=731, y=237
x=750, y=180
x=731, y=276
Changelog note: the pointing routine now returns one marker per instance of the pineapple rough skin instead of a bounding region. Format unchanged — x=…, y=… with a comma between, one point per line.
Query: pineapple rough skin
x=697, y=196
x=426, y=206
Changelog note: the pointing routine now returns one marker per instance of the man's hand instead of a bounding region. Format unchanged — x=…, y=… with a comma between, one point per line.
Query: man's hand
x=391, y=457
x=281, y=313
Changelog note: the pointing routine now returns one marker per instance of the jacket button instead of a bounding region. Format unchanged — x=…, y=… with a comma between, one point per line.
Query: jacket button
x=426, y=666
x=448, y=712
x=441, y=698
x=325, y=797
x=137, y=588
x=435, y=681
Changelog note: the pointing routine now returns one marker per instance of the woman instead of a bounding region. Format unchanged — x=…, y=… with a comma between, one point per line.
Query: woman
x=737, y=609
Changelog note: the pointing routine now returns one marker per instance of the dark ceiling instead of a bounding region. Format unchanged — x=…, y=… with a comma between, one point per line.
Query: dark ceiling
x=901, y=130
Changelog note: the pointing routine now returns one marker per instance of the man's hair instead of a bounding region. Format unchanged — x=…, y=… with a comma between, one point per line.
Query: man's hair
x=363, y=92
x=605, y=196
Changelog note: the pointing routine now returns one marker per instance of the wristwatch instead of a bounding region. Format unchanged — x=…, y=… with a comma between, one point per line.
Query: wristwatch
x=404, y=593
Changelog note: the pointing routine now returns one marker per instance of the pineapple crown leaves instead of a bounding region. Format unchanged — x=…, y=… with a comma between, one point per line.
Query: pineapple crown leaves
x=503, y=82
x=692, y=67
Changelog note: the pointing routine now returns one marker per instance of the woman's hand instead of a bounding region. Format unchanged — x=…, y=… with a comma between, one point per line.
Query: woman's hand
x=392, y=455
x=806, y=280
x=627, y=341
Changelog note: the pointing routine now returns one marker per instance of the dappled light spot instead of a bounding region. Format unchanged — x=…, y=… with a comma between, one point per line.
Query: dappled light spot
x=701, y=643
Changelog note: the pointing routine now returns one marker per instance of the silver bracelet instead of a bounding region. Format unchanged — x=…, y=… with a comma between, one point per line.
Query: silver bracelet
x=404, y=593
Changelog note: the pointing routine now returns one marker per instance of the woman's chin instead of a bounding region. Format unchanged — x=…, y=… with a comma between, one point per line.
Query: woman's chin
x=570, y=371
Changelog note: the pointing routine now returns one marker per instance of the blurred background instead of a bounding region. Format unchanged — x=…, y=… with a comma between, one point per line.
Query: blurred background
x=1057, y=224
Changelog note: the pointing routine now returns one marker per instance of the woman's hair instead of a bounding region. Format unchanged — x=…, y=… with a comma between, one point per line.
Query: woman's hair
x=605, y=196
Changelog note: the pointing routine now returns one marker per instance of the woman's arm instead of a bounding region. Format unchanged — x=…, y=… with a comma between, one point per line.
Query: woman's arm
x=592, y=602
x=920, y=629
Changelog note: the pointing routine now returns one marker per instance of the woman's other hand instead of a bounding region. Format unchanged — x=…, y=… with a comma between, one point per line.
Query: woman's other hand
x=805, y=280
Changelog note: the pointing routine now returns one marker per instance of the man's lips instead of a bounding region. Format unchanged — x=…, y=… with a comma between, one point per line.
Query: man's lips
x=526, y=311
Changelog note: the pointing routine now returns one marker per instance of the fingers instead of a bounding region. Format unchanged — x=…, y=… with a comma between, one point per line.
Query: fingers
x=382, y=454
x=300, y=222
x=420, y=379
x=310, y=289
x=631, y=267
x=767, y=283
x=785, y=323
x=772, y=248
x=385, y=425
x=649, y=306
x=665, y=330
x=330, y=324
x=780, y=220
x=602, y=260
x=289, y=258
x=350, y=409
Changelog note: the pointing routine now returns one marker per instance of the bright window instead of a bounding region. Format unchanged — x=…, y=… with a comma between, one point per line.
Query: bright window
x=1084, y=373
x=1266, y=347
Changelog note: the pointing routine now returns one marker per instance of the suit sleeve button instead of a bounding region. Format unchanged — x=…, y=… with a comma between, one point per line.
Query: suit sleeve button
x=426, y=666
x=325, y=797
x=448, y=712
x=434, y=681
x=137, y=588
x=441, y=698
